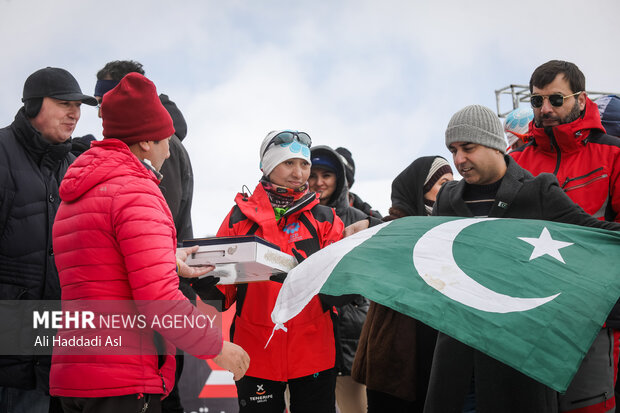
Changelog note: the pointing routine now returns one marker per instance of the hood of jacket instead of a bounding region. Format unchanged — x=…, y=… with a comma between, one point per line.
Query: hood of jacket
x=408, y=186
x=340, y=198
x=569, y=137
x=178, y=121
x=104, y=161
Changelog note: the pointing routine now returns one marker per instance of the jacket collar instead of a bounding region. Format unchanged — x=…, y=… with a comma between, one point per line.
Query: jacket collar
x=149, y=167
x=512, y=182
x=43, y=152
x=257, y=207
x=569, y=137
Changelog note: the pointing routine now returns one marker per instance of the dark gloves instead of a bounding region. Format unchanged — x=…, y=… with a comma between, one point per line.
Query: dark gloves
x=280, y=277
x=205, y=288
x=372, y=221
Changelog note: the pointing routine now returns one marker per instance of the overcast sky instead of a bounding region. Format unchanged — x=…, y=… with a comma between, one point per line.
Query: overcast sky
x=381, y=78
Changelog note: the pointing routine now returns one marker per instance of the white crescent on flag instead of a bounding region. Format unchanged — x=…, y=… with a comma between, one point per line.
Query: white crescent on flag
x=445, y=276
x=305, y=280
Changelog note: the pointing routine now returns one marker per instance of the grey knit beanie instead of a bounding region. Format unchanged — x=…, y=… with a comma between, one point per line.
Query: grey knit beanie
x=476, y=124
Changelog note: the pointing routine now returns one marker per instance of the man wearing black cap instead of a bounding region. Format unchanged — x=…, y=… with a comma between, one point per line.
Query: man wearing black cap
x=34, y=156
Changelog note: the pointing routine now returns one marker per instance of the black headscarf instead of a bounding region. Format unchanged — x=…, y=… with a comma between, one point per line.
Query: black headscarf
x=407, y=187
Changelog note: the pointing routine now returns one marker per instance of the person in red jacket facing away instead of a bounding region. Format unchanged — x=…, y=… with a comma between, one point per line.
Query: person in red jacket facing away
x=115, y=240
x=284, y=212
x=568, y=140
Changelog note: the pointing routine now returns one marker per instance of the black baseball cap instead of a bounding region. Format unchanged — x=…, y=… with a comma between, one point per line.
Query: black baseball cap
x=55, y=83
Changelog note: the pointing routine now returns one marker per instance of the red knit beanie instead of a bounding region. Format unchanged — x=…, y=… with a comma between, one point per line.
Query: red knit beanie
x=132, y=112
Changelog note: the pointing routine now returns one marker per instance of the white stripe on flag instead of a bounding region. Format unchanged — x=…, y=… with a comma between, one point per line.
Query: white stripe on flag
x=305, y=280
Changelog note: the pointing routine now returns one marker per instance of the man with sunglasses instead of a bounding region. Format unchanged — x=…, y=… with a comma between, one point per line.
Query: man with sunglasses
x=568, y=140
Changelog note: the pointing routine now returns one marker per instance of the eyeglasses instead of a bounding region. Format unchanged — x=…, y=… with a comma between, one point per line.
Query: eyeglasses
x=288, y=137
x=557, y=99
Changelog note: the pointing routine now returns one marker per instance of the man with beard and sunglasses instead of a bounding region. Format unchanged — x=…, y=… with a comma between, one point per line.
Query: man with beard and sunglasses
x=569, y=140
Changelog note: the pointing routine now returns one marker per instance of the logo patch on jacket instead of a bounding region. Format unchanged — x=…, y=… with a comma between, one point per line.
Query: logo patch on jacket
x=293, y=230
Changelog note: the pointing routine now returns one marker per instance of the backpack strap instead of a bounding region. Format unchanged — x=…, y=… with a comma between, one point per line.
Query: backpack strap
x=242, y=289
x=310, y=245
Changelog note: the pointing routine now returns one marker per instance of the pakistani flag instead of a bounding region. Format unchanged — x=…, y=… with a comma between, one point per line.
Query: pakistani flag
x=532, y=294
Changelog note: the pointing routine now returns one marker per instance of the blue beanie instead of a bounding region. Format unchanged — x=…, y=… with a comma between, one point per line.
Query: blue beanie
x=609, y=107
x=324, y=161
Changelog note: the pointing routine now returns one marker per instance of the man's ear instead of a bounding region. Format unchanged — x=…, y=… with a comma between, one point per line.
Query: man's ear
x=145, y=145
x=582, y=100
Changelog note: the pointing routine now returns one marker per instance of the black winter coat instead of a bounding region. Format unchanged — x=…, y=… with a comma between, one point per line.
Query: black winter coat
x=30, y=172
x=350, y=317
x=177, y=183
x=520, y=195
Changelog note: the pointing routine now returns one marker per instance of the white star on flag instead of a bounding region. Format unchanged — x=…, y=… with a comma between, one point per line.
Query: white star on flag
x=546, y=245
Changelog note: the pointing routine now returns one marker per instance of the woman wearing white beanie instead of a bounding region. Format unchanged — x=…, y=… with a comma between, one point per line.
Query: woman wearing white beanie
x=284, y=212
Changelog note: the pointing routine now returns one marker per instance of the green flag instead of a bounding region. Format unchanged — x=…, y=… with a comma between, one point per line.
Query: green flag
x=532, y=294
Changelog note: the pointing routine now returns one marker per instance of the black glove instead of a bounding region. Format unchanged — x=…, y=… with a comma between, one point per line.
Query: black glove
x=280, y=277
x=205, y=288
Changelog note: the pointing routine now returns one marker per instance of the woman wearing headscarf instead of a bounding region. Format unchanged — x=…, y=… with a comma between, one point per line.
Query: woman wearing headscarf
x=395, y=352
x=284, y=212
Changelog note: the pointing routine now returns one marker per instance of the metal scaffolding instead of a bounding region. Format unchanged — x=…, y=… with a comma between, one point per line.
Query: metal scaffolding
x=521, y=93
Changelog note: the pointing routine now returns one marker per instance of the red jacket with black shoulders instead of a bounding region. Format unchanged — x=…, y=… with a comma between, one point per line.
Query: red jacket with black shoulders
x=585, y=160
x=308, y=346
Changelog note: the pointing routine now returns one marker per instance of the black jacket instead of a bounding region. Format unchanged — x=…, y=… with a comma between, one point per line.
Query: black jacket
x=350, y=317
x=520, y=195
x=177, y=183
x=30, y=172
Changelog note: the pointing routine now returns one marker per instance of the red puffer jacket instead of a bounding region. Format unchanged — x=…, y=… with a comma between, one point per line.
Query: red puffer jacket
x=585, y=160
x=307, y=346
x=114, y=239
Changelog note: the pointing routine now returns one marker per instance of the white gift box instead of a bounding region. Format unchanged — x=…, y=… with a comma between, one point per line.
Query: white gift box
x=240, y=259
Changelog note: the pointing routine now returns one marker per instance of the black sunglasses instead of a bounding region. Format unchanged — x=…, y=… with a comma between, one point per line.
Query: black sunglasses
x=289, y=137
x=557, y=99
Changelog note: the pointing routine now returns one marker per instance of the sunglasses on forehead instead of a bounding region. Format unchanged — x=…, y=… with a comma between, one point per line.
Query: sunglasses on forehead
x=287, y=137
x=557, y=99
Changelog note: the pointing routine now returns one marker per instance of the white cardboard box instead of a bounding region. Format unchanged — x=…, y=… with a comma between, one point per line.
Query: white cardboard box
x=240, y=259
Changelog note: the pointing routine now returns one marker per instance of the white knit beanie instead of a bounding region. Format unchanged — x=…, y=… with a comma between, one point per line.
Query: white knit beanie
x=276, y=154
x=476, y=124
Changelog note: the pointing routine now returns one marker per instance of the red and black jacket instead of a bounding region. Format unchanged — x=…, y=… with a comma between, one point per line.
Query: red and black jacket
x=585, y=160
x=307, y=346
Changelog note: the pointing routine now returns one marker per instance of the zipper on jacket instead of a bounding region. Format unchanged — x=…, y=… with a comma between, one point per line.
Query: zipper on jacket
x=163, y=383
x=146, y=403
x=582, y=176
x=585, y=183
x=298, y=206
x=558, y=153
